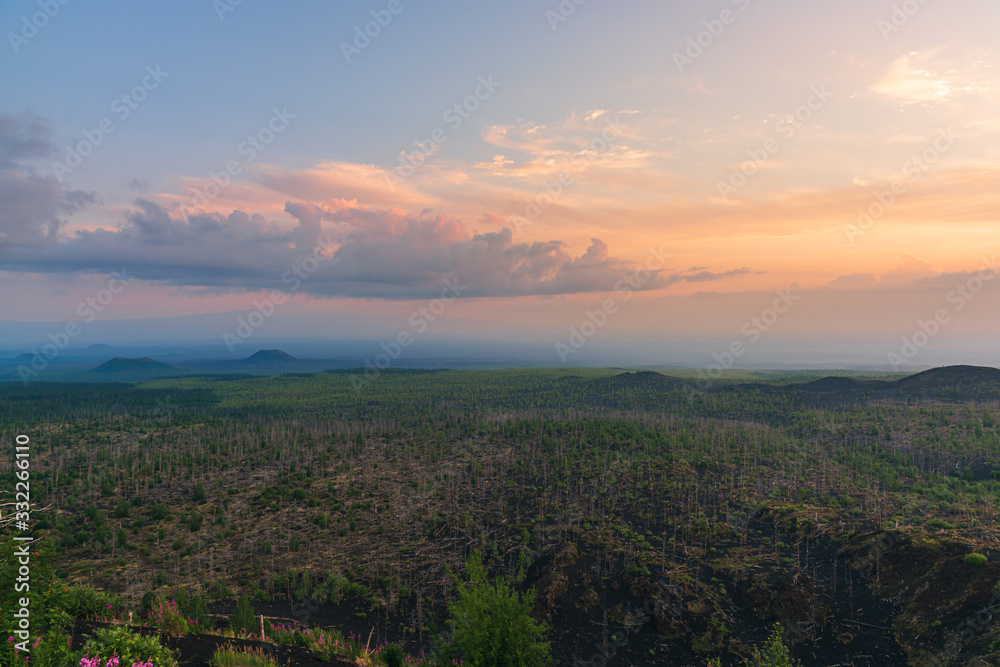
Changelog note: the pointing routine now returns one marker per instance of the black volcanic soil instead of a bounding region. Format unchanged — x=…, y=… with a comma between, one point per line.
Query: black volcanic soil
x=845, y=623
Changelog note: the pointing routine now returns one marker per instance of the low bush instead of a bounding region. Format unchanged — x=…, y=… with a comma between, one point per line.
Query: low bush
x=976, y=559
x=129, y=647
x=243, y=618
x=773, y=653
x=393, y=655
x=85, y=602
x=194, y=607
x=166, y=616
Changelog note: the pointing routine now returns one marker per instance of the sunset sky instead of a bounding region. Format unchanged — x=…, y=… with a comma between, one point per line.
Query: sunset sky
x=534, y=153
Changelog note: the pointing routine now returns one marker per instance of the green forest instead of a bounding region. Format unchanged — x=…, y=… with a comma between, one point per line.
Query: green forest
x=595, y=516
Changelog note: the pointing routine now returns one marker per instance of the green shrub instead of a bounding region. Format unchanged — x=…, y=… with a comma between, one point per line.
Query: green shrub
x=243, y=618
x=774, y=653
x=393, y=655
x=492, y=623
x=195, y=610
x=52, y=650
x=85, y=602
x=976, y=559
x=123, y=509
x=129, y=646
x=167, y=616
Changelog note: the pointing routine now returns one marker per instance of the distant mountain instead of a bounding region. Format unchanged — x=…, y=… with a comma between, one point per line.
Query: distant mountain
x=99, y=350
x=639, y=381
x=953, y=383
x=832, y=383
x=124, y=369
x=270, y=358
x=267, y=362
x=969, y=376
x=948, y=383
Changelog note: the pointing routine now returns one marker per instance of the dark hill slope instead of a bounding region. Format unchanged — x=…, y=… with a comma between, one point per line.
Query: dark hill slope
x=948, y=383
x=123, y=365
x=269, y=358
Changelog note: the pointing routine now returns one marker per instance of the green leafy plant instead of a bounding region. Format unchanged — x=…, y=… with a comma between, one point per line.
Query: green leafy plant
x=130, y=647
x=773, y=653
x=492, y=624
x=243, y=618
x=976, y=559
x=393, y=655
x=167, y=616
x=84, y=602
x=194, y=607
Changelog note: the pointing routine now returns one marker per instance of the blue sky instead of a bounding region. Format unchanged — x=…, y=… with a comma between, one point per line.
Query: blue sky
x=895, y=81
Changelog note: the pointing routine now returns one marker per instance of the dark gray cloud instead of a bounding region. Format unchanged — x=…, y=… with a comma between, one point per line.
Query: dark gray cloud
x=24, y=137
x=31, y=205
x=705, y=276
x=368, y=254
x=139, y=185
